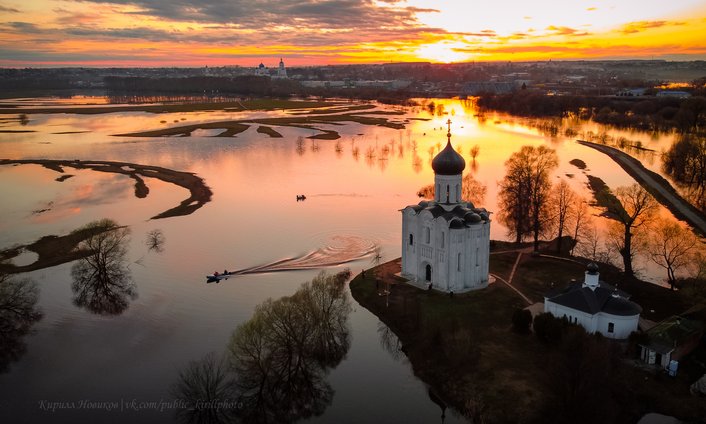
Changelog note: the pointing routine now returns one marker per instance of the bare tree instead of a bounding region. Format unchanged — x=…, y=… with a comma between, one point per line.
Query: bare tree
x=102, y=282
x=591, y=246
x=472, y=190
x=18, y=314
x=155, y=240
x=635, y=210
x=672, y=247
x=524, y=192
x=580, y=219
x=206, y=389
x=474, y=151
x=563, y=201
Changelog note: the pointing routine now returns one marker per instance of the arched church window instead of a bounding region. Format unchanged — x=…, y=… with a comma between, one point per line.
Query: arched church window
x=411, y=239
x=447, y=193
x=427, y=235
x=458, y=262
x=458, y=194
x=443, y=239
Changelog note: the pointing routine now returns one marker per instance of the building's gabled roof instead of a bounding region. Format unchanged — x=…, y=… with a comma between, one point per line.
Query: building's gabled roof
x=673, y=331
x=600, y=299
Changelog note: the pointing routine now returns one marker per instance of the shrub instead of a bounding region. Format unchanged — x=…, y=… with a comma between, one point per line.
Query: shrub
x=521, y=320
x=548, y=328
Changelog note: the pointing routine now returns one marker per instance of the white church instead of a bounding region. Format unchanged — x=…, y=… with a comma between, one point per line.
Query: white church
x=596, y=306
x=263, y=70
x=446, y=242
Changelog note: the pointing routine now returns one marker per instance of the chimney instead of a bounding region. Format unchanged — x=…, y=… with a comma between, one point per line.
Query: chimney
x=591, y=276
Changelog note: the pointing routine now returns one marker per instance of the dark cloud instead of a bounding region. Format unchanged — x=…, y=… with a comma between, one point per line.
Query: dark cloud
x=9, y=9
x=67, y=17
x=265, y=14
x=24, y=27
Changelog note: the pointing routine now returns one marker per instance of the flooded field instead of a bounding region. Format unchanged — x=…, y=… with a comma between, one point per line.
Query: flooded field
x=129, y=344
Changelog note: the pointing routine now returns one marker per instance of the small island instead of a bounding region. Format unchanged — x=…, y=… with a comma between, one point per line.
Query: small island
x=485, y=323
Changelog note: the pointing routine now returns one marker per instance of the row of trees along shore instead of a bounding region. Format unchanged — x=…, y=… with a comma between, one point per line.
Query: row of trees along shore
x=532, y=207
x=647, y=113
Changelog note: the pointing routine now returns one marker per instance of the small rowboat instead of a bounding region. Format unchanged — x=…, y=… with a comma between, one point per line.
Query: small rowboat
x=215, y=278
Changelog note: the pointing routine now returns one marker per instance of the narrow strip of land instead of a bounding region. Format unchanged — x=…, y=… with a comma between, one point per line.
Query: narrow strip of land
x=656, y=185
x=200, y=192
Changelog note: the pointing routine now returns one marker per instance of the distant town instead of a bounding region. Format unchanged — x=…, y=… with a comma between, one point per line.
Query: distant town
x=627, y=78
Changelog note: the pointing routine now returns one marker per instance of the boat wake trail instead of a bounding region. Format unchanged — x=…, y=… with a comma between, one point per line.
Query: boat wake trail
x=343, y=249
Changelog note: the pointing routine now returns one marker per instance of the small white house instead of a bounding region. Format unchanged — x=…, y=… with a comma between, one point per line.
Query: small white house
x=446, y=242
x=595, y=305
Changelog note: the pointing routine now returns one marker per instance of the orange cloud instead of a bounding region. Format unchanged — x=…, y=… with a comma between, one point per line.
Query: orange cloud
x=562, y=30
x=633, y=27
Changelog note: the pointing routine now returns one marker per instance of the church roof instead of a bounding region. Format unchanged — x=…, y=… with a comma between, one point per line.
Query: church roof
x=604, y=298
x=457, y=217
x=448, y=161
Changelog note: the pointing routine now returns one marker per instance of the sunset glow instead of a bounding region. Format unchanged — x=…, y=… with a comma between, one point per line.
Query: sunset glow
x=217, y=33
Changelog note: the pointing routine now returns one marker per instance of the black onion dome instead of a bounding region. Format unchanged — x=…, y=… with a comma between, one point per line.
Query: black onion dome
x=472, y=217
x=448, y=162
x=456, y=224
x=592, y=268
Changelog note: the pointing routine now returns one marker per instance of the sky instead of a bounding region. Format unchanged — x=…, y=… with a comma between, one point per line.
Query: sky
x=40, y=33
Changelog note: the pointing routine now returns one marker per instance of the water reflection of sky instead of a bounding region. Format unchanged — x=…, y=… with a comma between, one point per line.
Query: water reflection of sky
x=355, y=186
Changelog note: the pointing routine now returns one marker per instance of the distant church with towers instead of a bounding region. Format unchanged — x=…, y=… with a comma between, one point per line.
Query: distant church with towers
x=263, y=70
x=446, y=242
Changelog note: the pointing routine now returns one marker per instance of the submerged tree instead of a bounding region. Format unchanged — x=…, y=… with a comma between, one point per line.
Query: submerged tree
x=155, y=240
x=281, y=356
x=524, y=192
x=472, y=190
x=102, y=282
x=685, y=161
x=206, y=389
x=635, y=209
x=18, y=313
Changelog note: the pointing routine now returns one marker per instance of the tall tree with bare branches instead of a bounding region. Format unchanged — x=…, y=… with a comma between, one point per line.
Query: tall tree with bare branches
x=672, y=247
x=563, y=201
x=524, y=192
x=580, y=220
x=633, y=213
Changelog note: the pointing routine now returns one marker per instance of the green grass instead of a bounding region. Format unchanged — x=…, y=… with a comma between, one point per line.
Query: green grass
x=501, y=264
x=535, y=276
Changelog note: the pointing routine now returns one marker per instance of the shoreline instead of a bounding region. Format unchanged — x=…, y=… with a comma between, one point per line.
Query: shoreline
x=656, y=185
x=464, y=347
x=232, y=106
x=200, y=193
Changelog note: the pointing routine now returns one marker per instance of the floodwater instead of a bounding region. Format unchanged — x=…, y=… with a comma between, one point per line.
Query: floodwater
x=118, y=358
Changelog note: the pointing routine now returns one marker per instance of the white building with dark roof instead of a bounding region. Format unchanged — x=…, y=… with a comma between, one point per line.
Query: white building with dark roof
x=446, y=242
x=595, y=305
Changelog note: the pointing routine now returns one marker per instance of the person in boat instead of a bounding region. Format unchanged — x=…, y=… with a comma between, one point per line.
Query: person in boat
x=215, y=273
x=225, y=272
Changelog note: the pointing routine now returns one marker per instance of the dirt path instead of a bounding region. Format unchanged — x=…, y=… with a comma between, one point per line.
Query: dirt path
x=656, y=185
